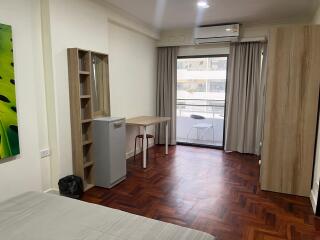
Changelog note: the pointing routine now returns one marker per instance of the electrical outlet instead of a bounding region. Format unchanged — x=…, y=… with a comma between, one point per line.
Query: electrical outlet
x=45, y=153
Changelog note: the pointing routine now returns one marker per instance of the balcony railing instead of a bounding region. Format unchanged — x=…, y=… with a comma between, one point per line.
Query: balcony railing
x=200, y=121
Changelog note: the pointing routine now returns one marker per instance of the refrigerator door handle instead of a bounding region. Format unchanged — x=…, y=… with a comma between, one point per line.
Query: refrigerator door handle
x=118, y=124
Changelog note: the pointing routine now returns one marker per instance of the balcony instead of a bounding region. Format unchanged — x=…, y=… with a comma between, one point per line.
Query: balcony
x=200, y=121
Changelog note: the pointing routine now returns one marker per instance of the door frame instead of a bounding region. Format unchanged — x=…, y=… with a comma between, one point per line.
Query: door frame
x=317, y=210
x=225, y=100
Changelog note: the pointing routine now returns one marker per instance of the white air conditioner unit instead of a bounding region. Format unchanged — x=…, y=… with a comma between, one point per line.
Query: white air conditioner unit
x=215, y=34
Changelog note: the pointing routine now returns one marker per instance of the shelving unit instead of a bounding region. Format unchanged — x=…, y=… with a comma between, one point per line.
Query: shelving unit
x=82, y=79
x=80, y=73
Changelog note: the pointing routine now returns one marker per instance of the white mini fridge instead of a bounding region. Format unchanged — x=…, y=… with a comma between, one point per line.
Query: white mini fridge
x=109, y=143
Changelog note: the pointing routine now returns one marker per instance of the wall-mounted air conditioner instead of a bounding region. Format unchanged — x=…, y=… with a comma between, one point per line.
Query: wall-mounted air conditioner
x=218, y=33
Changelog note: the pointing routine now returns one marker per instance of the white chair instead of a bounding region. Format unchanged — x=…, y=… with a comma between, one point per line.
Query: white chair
x=200, y=127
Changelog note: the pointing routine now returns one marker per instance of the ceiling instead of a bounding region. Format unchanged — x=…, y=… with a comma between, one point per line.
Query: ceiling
x=170, y=14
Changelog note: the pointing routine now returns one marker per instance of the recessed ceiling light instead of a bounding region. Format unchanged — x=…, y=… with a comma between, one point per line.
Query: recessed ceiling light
x=203, y=4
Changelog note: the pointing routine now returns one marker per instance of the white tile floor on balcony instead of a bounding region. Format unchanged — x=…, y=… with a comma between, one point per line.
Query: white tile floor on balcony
x=187, y=133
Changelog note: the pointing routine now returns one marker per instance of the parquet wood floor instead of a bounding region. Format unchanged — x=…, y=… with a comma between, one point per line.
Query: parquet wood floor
x=211, y=191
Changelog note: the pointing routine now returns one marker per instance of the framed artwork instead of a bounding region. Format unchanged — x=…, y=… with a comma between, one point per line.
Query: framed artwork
x=9, y=136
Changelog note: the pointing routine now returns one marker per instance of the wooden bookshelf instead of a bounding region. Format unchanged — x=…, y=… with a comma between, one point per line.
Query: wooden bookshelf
x=81, y=76
x=80, y=73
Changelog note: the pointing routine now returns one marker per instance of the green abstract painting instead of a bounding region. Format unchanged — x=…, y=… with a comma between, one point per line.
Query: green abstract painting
x=9, y=140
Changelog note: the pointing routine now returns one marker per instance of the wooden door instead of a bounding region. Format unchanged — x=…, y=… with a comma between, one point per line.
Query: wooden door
x=291, y=109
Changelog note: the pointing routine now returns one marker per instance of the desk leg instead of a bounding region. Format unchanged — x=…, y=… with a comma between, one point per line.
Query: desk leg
x=166, y=138
x=144, y=147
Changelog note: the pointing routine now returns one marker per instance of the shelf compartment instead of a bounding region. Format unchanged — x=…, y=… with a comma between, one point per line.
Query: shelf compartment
x=85, y=89
x=88, y=177
x=87, y=153
x=86, y=112
x=84, y=61
x=86, y=132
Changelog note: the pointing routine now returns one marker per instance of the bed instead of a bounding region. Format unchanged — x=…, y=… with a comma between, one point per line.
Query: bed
x=40, y=216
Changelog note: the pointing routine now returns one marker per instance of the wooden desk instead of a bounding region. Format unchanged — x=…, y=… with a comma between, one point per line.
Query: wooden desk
x=144, y=121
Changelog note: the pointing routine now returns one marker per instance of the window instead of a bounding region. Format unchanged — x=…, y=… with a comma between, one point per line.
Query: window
x=201, y=92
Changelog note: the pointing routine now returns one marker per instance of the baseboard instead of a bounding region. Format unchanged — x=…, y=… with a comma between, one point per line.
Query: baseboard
x=139, y=150
x=313, y=199
x=52, y=191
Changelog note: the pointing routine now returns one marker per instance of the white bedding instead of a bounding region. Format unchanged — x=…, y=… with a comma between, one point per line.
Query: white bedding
x=39, y=216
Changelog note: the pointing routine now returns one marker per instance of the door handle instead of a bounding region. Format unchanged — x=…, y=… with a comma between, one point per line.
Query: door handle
x=118, y=124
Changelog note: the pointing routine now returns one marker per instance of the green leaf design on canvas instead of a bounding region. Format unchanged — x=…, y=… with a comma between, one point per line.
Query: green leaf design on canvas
x=9, y=139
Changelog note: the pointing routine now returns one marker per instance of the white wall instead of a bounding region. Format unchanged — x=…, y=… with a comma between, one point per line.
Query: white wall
x=74, y=23
x=132, y=76
x=41, y=99
x=42, y=79
x=23, y=173
x=48, y=167
x=84, y=24
x=122, y=18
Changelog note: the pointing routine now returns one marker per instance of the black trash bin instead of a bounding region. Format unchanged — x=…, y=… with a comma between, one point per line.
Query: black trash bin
x=71, y=186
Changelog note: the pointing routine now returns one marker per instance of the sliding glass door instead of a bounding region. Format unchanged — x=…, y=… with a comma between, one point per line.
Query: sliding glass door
x=201, y=93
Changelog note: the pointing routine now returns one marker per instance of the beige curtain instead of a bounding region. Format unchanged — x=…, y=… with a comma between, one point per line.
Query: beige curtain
x=167, y=92
x=245, y=97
